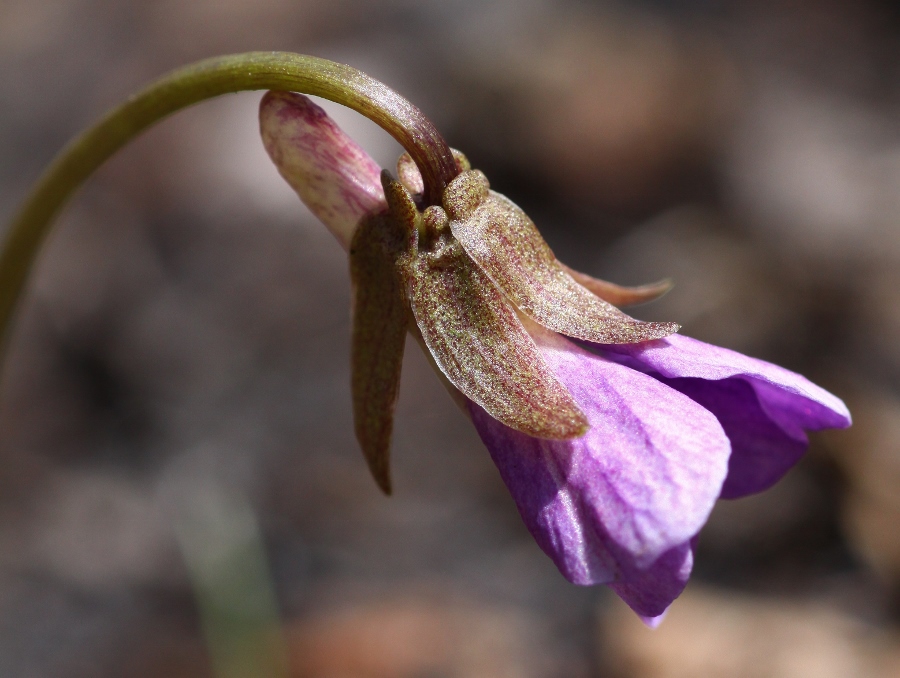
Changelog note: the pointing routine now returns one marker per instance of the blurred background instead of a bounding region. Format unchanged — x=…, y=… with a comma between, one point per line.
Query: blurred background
x=177, y=467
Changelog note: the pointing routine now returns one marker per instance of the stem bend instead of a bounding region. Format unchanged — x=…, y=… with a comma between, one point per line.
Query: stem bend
x=190, y=85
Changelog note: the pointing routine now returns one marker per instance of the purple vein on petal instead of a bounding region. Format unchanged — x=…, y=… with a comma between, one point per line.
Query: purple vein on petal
x=642, y=481
x=650, y=592
x=765, y=409
x=779, y=389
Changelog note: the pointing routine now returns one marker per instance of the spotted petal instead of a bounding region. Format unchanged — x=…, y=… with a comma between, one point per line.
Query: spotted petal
x=508, y=247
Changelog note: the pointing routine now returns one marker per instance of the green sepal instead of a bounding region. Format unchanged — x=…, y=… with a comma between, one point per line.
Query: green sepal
x=618, y=295
x=507, y=246
x=380, y=318
x=409, y=175
x=482, y=348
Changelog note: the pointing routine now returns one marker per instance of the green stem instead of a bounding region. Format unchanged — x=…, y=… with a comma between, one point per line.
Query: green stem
x=193, y=84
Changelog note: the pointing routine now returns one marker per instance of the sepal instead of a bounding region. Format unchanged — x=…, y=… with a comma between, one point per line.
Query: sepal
x=507, y=246
x=332, y=174
x=481, y=346
x=409, y=174
x=380, y=320
x=616, y=294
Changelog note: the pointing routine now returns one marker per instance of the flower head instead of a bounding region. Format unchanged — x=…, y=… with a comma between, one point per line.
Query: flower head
x=614, y=436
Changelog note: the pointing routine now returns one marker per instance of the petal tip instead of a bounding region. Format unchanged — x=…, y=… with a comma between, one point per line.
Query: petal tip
x=332, y=174
x=653, y=622
x=566, y=423
x=667, y=328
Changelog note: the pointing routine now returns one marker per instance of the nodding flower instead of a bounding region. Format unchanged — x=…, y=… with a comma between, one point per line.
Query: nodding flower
x=614, y=436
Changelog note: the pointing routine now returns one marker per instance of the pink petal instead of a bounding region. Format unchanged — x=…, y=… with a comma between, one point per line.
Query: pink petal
x=607, y=507
x=765, y=409
x=789, y=398
x=649, y=593
x=333, y=176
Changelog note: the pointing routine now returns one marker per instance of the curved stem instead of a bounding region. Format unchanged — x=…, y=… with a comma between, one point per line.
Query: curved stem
x=193, y=84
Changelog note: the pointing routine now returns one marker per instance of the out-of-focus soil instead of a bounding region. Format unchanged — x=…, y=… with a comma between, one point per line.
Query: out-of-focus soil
x=187, y=328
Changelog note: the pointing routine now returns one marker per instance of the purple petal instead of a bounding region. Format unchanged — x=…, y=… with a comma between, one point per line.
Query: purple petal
x=649, y=593
x=333, y=176
x=764, y=409
x=762, y=451
x=610, y=506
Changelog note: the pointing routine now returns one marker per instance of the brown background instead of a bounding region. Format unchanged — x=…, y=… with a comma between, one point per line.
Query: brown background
x=183, y=348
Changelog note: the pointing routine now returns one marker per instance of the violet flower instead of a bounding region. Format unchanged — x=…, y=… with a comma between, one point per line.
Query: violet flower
x=614, y=448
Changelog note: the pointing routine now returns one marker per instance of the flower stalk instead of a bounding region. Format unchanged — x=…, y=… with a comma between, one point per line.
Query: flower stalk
x=190, y=85
x=614, y=436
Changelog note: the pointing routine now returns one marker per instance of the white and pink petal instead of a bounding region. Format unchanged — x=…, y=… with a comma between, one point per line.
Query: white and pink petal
x=330, y=172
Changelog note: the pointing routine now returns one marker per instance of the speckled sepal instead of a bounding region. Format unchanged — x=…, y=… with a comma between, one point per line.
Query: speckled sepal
x=380, y=320
x=507, y=246
x=411, y=178
x=480, y=345
x=616, y=294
